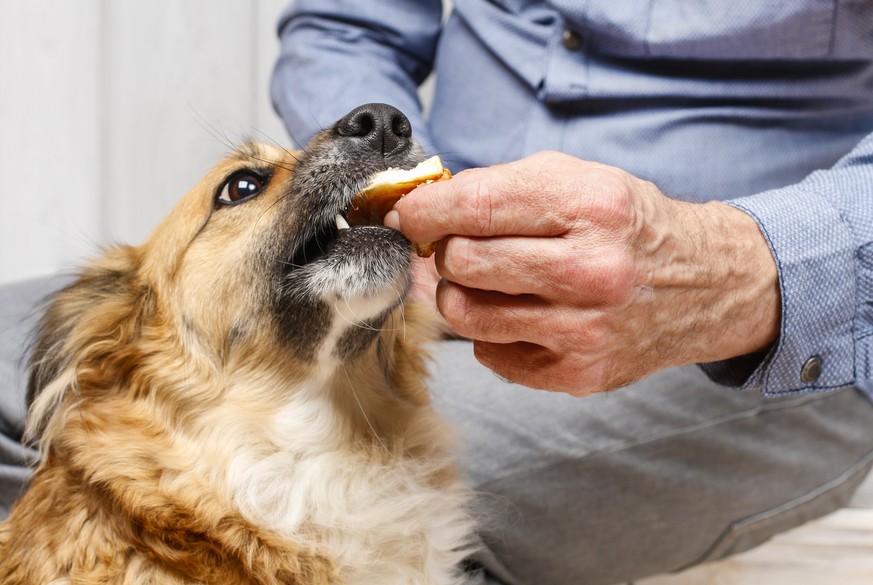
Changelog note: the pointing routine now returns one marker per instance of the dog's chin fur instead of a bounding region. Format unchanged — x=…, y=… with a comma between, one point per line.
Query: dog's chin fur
x=209, y=410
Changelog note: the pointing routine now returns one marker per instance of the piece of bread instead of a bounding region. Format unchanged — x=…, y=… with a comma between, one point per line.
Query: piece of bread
x=387, y=187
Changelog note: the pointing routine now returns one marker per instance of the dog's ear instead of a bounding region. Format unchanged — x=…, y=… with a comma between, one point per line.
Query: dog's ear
x=99, y=312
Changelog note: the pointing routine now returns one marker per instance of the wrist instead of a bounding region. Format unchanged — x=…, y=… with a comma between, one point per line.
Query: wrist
x=714, y=279
x=745, y=298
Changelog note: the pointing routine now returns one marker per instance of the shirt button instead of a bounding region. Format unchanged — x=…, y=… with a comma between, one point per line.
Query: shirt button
x=811, y=369
x=571, y=40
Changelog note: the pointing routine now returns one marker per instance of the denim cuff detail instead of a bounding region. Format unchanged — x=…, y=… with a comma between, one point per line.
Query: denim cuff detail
x=864, y=365
x=814, y=252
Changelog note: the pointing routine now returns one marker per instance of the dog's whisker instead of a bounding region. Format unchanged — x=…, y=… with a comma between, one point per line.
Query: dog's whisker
x=400, y=298
x=361, y=408
x=291, y=264
x=221, y=135
x=209, y=127
x=278, y=200
x=270, y=162
x=318, y=122
x=277, y=144
x=361, y=324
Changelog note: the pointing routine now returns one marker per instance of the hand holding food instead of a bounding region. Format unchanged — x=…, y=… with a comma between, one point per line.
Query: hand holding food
x=576, y=276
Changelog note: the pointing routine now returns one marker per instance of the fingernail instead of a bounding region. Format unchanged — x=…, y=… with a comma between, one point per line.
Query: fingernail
x=392, y=219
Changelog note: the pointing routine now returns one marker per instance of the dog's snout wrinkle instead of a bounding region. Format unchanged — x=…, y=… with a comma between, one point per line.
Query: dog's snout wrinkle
x=381, y=127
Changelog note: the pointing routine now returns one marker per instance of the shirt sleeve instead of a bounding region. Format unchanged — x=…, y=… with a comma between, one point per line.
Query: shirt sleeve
x=820, y=232
x=339, y=54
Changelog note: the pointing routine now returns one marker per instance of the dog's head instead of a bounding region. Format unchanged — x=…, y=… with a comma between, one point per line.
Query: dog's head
x=252, y=280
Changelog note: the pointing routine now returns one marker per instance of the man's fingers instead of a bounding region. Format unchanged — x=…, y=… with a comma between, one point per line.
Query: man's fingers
x=500, y=318
x=509, y=264
x=488, y=315
x=538, y=367
x=555, y=269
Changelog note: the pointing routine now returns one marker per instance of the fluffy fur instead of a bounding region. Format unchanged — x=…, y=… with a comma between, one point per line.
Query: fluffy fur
x=241, y=399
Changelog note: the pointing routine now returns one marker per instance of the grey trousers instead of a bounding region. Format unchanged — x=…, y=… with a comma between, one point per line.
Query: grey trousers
x=661, y=475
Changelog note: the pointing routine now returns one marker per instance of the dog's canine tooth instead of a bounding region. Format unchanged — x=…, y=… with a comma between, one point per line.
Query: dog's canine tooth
x=341, y=222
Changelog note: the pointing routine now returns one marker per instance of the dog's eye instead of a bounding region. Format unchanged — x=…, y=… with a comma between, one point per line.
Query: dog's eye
x=240, y=187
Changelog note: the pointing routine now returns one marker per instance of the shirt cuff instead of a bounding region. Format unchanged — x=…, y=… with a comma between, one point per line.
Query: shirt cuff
x=814, y=253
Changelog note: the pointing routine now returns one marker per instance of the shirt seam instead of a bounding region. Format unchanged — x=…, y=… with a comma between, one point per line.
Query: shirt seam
x=847, y=225
x=767, y=363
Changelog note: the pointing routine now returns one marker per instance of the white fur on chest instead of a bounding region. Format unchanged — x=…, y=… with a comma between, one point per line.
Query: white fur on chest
x=382, y=523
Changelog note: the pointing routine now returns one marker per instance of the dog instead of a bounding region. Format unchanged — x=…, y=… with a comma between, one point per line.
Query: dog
x=242, y=399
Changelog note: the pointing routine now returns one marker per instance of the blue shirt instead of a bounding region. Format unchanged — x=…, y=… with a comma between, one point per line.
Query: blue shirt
x=765, y=105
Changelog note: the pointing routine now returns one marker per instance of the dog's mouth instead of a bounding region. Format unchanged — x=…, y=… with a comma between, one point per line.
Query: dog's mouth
x=334, y=250
x=316, y=246
x=326, y=232
x=340, y=270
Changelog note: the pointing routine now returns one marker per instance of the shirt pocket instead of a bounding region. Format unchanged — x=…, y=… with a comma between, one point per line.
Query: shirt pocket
x=740, y=30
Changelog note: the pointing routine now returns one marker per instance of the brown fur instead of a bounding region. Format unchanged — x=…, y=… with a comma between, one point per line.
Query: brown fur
x=145, y=364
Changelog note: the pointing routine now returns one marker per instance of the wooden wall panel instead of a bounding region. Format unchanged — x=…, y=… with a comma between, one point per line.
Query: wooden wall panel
x=179, y=91
x=50, y=149
x=268, y=125
x=110, y=111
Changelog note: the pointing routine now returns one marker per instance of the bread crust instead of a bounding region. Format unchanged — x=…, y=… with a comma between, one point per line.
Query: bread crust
x=387, y=188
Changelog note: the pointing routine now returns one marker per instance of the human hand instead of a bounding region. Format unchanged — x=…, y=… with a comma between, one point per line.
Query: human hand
x=579, y=277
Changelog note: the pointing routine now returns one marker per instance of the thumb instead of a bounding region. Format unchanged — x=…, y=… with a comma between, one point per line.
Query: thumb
x=392, y=220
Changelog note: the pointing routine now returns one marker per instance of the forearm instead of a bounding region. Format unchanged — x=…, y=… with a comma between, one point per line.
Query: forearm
x=338, y=55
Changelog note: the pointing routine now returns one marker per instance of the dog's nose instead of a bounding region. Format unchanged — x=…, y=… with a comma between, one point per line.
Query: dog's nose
x=382, y=127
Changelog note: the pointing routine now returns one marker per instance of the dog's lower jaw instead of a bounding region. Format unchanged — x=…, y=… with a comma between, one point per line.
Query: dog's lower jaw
x=334, y=306
x=365, y=263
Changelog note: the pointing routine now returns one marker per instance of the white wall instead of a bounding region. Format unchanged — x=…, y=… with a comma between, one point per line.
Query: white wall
x=111, y=110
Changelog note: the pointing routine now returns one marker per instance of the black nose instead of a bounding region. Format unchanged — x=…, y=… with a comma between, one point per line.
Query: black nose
x=382, y=127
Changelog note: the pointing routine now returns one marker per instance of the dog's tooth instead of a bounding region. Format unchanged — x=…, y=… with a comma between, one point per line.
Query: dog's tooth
x=341, y=222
